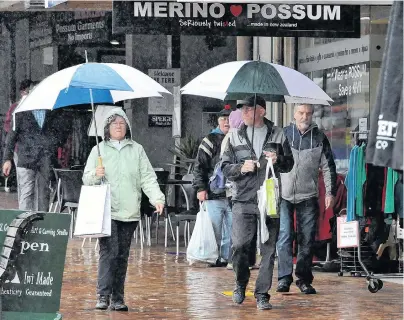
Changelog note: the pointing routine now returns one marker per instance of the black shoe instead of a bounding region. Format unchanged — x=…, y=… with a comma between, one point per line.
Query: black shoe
x=220, y=264
x=102, y=303
x=283, y=287
x=306, y=288
x=263, y=301
x=118, y=306
x=239, y=294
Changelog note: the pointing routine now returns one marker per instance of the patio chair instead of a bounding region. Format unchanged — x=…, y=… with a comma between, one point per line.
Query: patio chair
x=187, y=215
x=147, y=210
x=68, y=187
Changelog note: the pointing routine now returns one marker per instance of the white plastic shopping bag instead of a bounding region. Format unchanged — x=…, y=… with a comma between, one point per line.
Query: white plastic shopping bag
x=202, y=246
x=94, y=212
x=268, y=200
x=262, y=205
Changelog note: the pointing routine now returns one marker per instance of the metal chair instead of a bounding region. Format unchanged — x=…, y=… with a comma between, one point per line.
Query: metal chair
x=147, y=210
x=68, y=189
x=187, y=215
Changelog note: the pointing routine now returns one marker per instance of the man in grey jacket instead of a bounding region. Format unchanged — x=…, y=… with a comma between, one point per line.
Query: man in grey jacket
x=244, y=162
x=311, y=152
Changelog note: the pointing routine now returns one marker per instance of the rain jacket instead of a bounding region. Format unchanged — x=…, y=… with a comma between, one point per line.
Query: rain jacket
x=239, y=149
x=206, y=160
x=311, y=152
x=128, y=171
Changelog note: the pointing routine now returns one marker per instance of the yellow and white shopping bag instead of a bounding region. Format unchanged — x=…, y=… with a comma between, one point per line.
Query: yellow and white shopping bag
x=268, y=200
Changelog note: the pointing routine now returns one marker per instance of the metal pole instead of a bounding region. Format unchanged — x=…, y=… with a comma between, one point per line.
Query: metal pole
x=95, y=122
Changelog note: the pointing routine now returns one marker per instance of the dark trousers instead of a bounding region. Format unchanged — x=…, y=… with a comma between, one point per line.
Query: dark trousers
x=113, y=262
x=245, y=223
x=306, y=219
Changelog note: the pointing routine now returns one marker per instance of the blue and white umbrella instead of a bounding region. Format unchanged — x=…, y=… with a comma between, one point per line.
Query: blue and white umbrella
x=91, y=83
x=237, y=80
x=109, y=83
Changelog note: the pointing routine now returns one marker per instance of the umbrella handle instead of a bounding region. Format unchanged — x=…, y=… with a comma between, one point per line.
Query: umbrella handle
x=99, y=161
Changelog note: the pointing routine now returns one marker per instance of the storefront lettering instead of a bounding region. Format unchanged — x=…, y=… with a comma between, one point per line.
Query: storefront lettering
x=218, y=10
x=386, y=129
x=34, y=246
x=39, y=279
x=79, y=27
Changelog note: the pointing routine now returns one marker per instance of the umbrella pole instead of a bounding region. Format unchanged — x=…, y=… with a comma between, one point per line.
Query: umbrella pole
x=95, y=126
x=252, y=135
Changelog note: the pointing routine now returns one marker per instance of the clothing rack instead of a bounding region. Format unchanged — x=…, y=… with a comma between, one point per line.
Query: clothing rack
x=357, y=136
x=356, y=260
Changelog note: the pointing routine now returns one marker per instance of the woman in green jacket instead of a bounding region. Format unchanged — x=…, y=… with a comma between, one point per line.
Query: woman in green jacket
x=127, y=169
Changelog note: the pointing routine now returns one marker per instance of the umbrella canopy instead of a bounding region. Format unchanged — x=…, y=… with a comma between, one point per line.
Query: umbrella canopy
x=99, y=116
x=238, y=79
x=90, y=83
x=109, y=83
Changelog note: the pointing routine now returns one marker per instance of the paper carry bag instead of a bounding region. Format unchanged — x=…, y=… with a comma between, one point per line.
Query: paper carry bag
x=94, y=212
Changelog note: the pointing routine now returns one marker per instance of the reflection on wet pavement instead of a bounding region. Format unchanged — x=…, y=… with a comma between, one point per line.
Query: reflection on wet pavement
x=161, y=286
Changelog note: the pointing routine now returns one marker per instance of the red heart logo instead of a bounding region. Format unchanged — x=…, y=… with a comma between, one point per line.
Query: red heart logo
x=236, y=10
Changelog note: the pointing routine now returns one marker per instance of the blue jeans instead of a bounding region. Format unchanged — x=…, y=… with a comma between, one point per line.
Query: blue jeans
x=306, y=215
x=220, y=214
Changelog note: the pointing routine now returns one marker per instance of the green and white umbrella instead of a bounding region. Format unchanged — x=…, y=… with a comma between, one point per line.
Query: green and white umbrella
x=238, y=79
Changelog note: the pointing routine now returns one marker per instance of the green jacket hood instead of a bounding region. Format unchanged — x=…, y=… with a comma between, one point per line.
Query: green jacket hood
x=118, y=112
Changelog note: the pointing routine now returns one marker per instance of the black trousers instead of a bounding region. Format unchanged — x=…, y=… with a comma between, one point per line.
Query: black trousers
x=113, y=262
x=245, y=223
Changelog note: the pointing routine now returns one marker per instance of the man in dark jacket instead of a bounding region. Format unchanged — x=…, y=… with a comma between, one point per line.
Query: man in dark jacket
x=24, y=89
x=244, y=163
x=217, y=205
x=312, y=152
x=38, y=133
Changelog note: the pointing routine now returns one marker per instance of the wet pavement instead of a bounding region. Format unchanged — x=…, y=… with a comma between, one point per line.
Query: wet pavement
x=161, y=286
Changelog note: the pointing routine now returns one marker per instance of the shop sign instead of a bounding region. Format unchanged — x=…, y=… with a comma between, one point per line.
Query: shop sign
x=72, y=27
x=34, y=292
x=334, y=54
x=347, y=233
x=40, y=30
x=160, y=120
x=237, y=19
x=158, y=108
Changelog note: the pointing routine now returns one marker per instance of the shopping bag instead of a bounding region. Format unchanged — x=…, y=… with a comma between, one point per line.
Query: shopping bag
x=94, y=212
x=272, y=192
x=202, y=246
x=262, y=207
x=268, y=200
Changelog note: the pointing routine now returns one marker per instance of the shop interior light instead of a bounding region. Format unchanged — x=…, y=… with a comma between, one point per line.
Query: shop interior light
x=115, y=42
x=365, y=18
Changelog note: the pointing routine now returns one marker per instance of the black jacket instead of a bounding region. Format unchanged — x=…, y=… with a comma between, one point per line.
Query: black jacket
x=206, y=160
x=36, y=146
x=239, y=149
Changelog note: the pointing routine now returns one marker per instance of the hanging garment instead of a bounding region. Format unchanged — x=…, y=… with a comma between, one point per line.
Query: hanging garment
x=324, y=228
x=350, y=182
x=385, y=147
x=360, y=180
x=392, y=178
x=398, y=198
x=374, y=190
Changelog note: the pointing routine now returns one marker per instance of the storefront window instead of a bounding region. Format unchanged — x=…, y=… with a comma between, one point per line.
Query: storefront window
x=348, y=74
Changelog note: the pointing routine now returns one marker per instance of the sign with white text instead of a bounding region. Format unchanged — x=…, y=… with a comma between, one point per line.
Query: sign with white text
x=347, y=233
x=160, y=120
x=168, y=78
x=237, y=19
x=35, y=291
x=82, y=26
